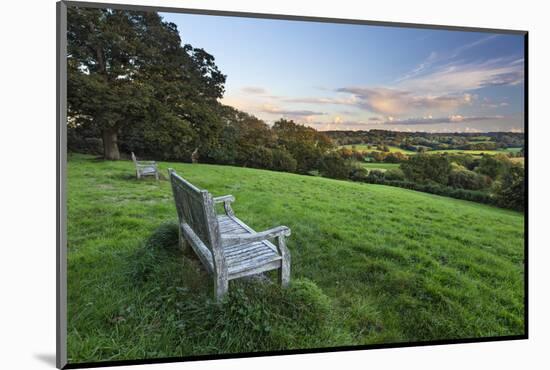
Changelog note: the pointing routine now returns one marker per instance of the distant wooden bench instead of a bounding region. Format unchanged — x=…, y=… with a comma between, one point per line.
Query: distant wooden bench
x=145, y=168
x=227, y=247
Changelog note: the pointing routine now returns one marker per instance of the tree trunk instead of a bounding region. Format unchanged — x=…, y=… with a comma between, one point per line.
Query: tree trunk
x=110, y=145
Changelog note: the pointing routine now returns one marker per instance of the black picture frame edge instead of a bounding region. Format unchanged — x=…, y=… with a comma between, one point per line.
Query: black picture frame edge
x=61, y=170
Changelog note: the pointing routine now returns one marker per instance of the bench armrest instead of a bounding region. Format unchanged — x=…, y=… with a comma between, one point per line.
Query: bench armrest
x=224, y=198
x=235, y=239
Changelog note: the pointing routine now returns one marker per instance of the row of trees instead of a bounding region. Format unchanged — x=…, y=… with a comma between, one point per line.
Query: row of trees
x=416, y=141
x=490, y=179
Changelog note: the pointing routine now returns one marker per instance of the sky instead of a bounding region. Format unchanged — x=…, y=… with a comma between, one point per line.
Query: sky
x=358, y=77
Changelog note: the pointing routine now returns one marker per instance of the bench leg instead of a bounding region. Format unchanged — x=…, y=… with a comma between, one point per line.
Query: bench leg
x=137, y=174
x=156, y=175
x=221, y=286
x=284, y=271
x=182, y=243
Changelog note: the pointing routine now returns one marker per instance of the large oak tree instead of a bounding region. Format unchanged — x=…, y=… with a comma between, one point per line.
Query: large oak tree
x=129, y=72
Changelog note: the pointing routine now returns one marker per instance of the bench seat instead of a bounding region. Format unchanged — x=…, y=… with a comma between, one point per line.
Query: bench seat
x=242, y=258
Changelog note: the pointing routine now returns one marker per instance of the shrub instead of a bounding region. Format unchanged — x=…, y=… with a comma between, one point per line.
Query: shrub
x=395, y=157
x=425, y=168
x=394, y=174
x=358, y=173
x=493, y=166
x=283, y=161
x=466, y=179
x=510, y=191
x=334, y=166
x=259, y=157
x=375, y=175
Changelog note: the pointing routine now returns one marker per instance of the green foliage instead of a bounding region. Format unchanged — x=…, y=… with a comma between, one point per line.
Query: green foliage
x=129, y=74
x=493, y=166
x=305, y=144
x=466, y=179
x=424, y=168
x=510, y=191
x=358, y=173
x=375, y=176
x=283, y=161
x=394, y=174
x=333, y=165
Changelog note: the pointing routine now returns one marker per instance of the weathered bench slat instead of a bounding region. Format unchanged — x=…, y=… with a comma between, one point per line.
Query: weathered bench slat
x=256, y=270
x=256, y=251
x=228, y=229
x=239, y=250
x=198, y=246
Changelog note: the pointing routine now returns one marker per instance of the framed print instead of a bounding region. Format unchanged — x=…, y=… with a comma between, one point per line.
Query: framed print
x=238, y=184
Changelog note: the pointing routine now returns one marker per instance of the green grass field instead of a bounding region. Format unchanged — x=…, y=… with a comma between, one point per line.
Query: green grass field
x=370, y=264
x=379, y=166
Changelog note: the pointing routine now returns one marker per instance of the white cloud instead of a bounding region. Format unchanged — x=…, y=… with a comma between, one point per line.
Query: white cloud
x=457, y=78
x=396, y=102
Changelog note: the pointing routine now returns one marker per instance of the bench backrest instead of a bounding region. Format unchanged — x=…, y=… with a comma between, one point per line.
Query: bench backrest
x=195, y=207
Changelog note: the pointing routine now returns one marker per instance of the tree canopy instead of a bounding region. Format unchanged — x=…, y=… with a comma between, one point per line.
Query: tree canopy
x=128, y=72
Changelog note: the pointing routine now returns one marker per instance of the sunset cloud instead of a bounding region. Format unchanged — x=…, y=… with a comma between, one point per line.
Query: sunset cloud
x=254, y=90
x=439, y=120
x=308, y=100
x=289, y=112
x=396, y=102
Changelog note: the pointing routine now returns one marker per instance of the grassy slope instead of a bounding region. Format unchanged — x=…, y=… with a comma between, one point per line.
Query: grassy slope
x=396, y=265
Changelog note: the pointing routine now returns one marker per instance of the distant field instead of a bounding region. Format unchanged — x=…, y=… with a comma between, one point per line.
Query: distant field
x=365, y=148
x=476, y=152
x=379, y=166
x=393, y=149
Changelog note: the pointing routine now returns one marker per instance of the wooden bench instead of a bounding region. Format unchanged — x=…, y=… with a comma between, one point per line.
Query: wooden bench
x=145, y=168
x=227, y=247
